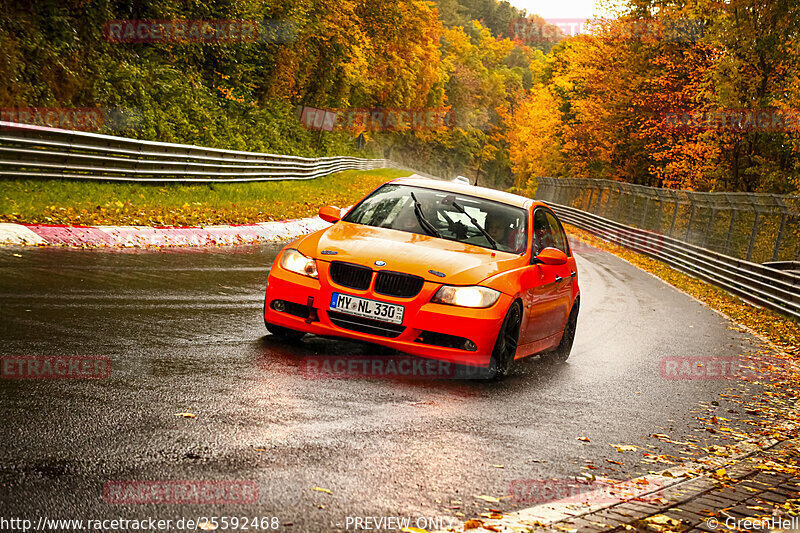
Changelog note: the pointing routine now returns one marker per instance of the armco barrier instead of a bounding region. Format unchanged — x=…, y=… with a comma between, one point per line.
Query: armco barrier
x=768, y=287
x=40, y=152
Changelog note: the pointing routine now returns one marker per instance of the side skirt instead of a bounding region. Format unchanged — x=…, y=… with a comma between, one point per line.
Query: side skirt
x=541, y=345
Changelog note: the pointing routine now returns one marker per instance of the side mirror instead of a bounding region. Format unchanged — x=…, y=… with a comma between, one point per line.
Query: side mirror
x=551, y=256
x=330, y=214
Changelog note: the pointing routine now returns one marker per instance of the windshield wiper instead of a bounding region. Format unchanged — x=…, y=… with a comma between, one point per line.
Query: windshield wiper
x=424, y=222
x=475, y=223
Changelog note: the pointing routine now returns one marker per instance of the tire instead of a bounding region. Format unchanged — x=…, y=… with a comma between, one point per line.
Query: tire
x=505, y=347
x=284, y=334
x=562, y=351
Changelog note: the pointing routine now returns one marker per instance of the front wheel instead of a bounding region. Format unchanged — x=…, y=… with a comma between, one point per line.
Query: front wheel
x=505, y=348
x=283, y=333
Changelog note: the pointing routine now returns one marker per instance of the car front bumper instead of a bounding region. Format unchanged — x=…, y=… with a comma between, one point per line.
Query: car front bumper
x=428, y=329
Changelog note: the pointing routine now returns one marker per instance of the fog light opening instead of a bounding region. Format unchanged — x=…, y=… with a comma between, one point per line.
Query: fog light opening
x=470, y=346
x=279, y=305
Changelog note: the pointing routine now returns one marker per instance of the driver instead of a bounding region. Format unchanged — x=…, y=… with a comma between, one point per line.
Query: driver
x=497, y=226
x=406, y=220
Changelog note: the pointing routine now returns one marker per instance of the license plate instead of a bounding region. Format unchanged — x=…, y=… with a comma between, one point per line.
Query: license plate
x=355, y=305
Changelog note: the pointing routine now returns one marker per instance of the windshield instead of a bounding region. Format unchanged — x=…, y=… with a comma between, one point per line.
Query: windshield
x=444, y=214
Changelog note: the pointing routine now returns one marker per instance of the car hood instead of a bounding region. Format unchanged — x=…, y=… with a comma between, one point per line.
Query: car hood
x=461, y=264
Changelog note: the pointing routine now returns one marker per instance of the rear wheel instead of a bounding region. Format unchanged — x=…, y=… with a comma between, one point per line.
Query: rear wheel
x=283, y=333
x=561, y=353
x=505, y=348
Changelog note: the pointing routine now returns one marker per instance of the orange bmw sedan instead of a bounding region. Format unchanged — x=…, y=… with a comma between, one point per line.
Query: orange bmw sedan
x=437, y=269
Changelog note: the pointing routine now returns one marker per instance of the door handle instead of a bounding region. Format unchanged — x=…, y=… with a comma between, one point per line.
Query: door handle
x=559, y=279
x=572, y=273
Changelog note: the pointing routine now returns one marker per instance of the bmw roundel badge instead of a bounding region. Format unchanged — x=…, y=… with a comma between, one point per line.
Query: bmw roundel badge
x=380, y=263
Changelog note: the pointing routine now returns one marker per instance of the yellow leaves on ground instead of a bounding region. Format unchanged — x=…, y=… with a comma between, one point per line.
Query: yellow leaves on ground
x=624, y=447
x=661, y=523
x=490, y=499
x=320, y=489
x=186, y=415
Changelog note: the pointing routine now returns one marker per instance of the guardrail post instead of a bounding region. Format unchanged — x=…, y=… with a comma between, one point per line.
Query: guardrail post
x=784, y=215
x=659, y=213
x=618, y=214
x=709, y=225
x=691, y=219
x=599, y=198
x=753, y=234
x=730, y=230
x=674, y=212
x=644, y=212
x=633, y=204
x=608, y=202
x=558, y=192
x=778, y=239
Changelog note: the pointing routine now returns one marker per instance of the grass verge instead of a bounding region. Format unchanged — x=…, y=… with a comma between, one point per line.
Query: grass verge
x=779, y=329
x=114, y=203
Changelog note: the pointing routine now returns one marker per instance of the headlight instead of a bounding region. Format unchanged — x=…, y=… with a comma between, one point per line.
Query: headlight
x=294, y=261
x=466, y=296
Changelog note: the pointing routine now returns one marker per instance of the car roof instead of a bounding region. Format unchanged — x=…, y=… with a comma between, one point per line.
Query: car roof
x=469, y=190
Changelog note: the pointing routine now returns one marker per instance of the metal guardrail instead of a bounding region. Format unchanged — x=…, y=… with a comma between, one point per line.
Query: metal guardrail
x=40, y=152
x=790, y=266
x=752, y=226
x=768, y=287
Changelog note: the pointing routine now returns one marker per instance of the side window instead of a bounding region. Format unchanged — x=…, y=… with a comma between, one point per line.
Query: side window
x=559, y=239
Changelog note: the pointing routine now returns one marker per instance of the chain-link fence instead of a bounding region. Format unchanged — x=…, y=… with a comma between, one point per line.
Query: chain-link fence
x=755, y=227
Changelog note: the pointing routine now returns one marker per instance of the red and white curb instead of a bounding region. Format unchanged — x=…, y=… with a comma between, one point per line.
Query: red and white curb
x=143, y=236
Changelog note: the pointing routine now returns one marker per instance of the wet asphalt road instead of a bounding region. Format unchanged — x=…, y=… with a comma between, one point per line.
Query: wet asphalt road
x=185, y=333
